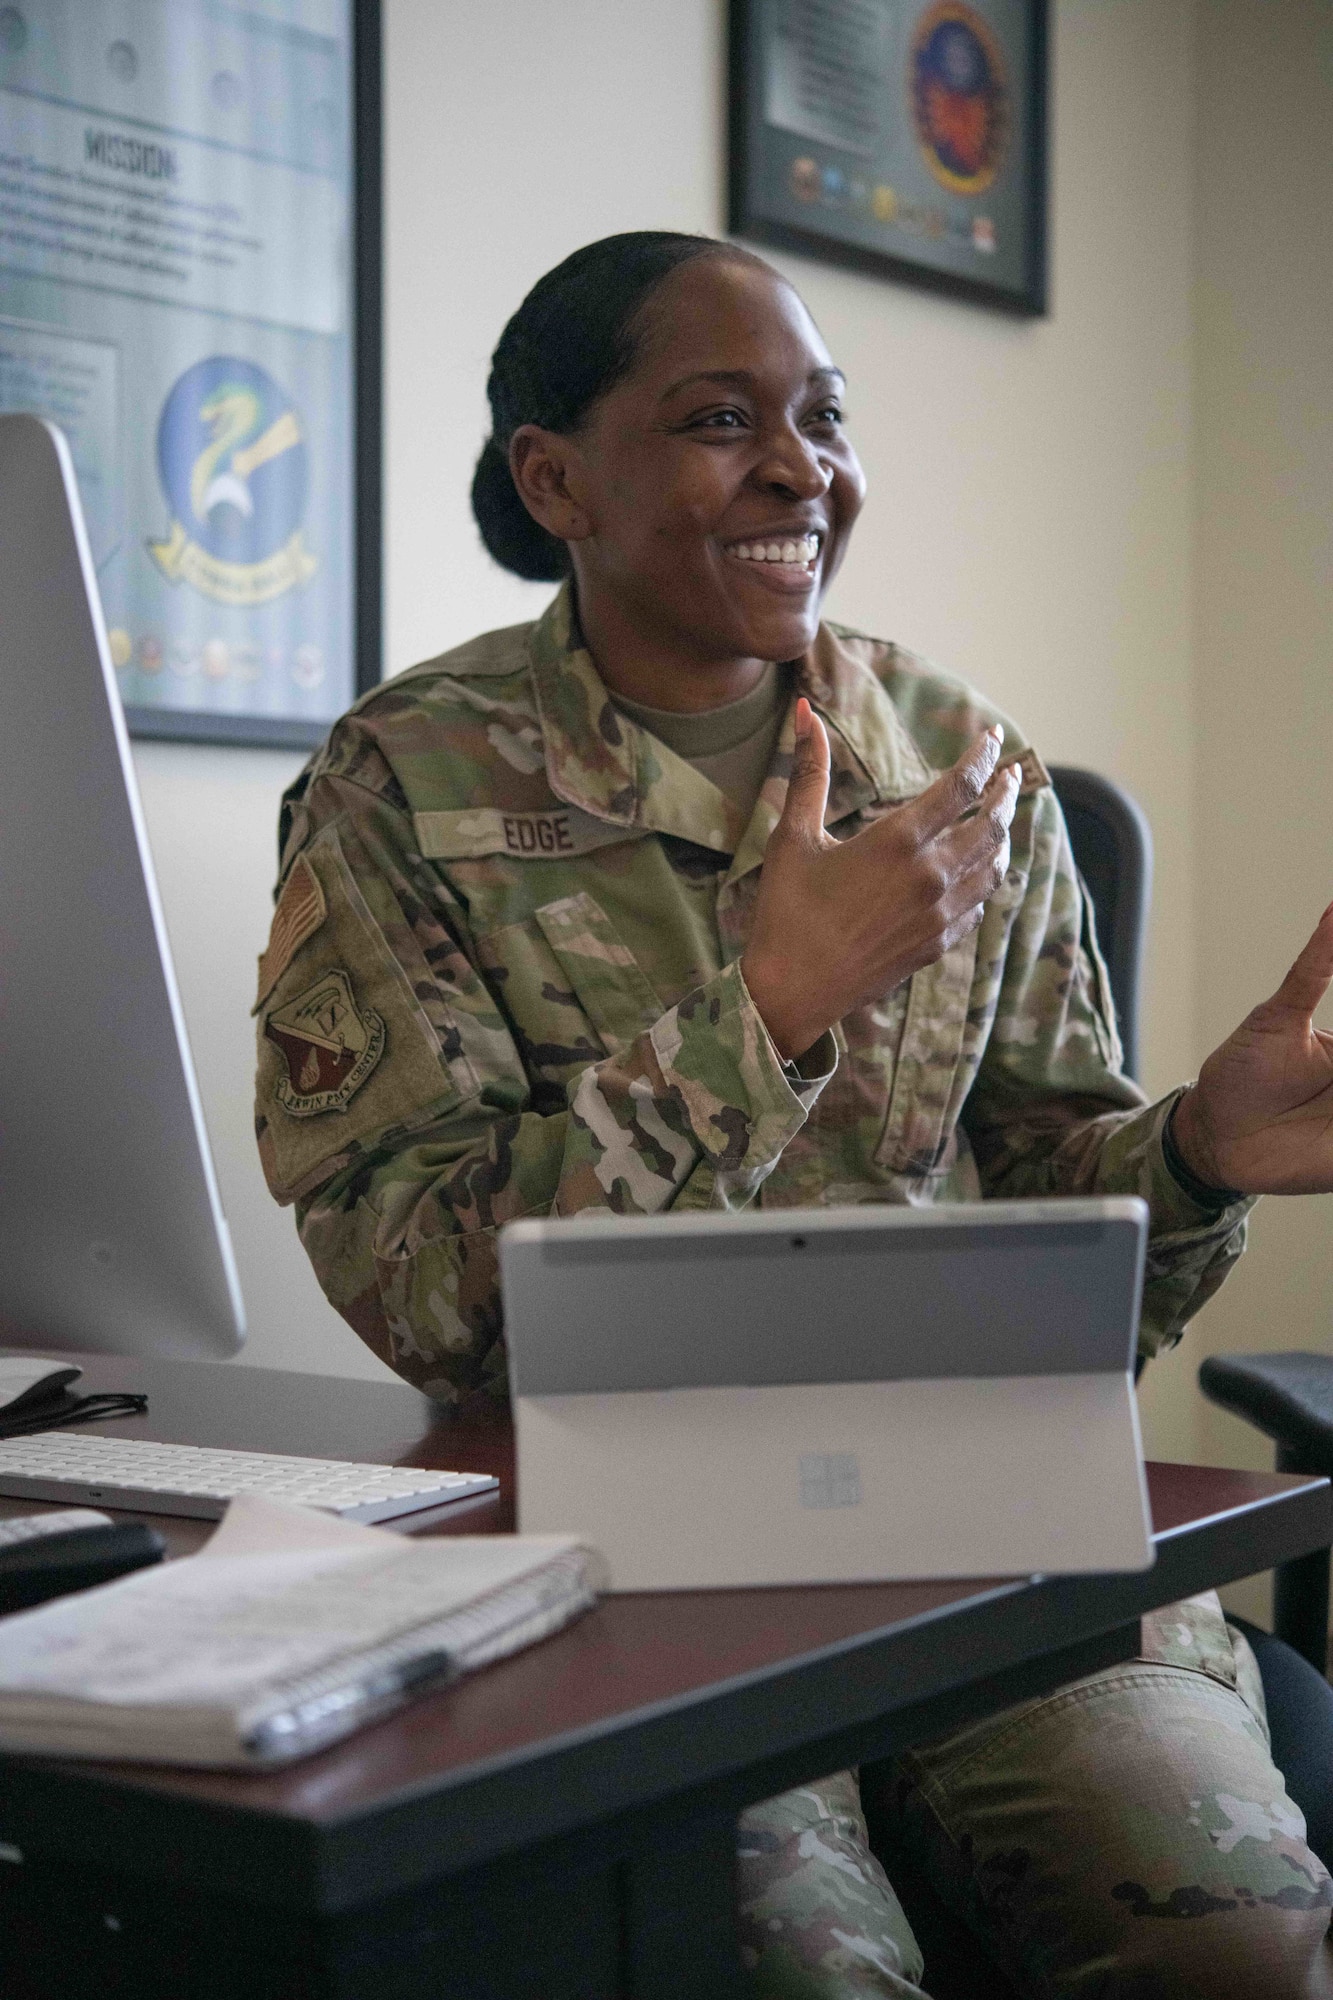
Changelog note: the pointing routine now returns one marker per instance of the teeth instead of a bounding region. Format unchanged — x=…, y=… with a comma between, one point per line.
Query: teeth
x=802, y=552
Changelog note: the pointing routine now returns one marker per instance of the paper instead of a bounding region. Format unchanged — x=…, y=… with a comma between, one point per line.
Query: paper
x=276, y=1591
x=185, y=1658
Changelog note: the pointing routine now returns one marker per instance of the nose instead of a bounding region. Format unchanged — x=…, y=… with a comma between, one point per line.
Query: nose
x=793, y=468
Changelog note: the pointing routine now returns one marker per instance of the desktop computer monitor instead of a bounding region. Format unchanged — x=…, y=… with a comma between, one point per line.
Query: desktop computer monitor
x=112, y=1237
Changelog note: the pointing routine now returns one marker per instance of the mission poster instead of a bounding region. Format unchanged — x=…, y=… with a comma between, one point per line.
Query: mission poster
x=175, y=294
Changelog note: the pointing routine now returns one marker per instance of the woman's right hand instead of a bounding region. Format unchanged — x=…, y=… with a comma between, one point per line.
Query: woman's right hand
x=838, y=923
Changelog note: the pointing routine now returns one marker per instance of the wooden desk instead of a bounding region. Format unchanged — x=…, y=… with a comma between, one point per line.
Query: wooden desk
x=563, y=1823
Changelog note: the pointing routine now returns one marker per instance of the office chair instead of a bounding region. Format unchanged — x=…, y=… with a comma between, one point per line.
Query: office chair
x=1289, y=1396
x=1112, y=847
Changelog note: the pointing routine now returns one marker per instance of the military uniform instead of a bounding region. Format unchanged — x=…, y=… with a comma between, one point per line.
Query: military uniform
x=503, y=980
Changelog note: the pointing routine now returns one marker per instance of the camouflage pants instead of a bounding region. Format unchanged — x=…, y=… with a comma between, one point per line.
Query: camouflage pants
x=1126, y=1836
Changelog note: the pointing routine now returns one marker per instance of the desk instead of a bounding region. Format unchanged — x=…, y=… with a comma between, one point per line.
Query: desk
x=561, y=1824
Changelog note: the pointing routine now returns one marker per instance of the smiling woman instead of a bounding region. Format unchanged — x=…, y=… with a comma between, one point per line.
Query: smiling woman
x=708, y=464
x=683, y=897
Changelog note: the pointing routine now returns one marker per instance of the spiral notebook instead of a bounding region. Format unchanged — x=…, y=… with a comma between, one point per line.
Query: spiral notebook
x=289, y=1630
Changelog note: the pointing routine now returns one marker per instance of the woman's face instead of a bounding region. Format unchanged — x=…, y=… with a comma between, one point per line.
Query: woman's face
x=715, y=479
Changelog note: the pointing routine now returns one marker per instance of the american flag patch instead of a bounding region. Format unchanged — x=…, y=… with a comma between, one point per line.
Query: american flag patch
x=300, y=912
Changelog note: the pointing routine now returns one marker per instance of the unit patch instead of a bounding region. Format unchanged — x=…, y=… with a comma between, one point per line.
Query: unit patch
x=300, y=912
x=329, y=1044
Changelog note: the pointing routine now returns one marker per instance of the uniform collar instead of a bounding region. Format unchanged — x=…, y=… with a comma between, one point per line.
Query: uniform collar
x=600, y=761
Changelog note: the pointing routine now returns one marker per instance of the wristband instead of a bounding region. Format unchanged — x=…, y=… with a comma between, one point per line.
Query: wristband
x=1199, y=1192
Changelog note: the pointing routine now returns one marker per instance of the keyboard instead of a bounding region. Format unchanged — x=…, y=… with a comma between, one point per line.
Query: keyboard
x=192, y=1479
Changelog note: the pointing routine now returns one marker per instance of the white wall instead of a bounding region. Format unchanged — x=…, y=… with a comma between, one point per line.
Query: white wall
x=1264, y=627
x=1030, y=520
x=1265, y=585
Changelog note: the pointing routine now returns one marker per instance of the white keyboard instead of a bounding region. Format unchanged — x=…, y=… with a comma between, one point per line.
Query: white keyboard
x=190, y=1479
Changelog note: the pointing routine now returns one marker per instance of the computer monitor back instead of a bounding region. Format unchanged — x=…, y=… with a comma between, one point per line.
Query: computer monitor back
x=112, y=1236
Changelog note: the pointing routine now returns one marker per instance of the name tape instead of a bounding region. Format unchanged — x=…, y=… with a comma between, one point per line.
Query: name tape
x=528, y=836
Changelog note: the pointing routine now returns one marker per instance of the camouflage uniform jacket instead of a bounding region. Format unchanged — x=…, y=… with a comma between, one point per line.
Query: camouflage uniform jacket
x=502, y=981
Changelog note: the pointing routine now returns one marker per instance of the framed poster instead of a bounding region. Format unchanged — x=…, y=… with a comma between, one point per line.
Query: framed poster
x=189, y=287
x=903, y=136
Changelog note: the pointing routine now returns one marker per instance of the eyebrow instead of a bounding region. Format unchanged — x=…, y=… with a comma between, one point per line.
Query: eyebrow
x=743, y=378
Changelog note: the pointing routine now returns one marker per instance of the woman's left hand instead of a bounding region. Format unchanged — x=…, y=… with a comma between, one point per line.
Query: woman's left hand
x=1260, y=1118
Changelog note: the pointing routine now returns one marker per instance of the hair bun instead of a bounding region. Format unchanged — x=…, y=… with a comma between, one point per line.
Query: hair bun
x=517, y=542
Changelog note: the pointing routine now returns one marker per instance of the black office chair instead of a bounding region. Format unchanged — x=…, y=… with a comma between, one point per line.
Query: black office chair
x=1112, y=846
x=1290, y=1396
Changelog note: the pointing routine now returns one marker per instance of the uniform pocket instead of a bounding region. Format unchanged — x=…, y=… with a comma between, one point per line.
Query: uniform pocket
x=927, y=1086
x=571, y=988
x=1097, y=981
x=1193, y=1634
x=601, y=969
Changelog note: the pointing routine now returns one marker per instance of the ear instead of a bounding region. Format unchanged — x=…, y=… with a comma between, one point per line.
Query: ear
x=545, y=468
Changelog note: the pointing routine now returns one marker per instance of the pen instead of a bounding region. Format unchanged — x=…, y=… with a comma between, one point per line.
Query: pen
x=334, y=1711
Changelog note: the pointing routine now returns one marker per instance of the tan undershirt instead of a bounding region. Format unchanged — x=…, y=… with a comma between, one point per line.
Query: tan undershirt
x=733, y=746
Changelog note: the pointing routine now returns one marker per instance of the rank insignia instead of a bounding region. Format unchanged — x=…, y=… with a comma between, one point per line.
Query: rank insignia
x=329, y=1044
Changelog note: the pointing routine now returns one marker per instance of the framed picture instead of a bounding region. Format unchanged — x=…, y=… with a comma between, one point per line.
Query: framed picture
x=902, y=136
x=190, y=287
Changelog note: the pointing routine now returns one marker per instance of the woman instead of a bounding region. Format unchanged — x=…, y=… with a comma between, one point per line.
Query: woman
x=679, y=898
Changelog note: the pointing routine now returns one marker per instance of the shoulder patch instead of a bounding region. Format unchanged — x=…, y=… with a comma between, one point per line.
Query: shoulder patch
x=329, y=1044
x=300, y=911
x=527, y=836
x=346, y=1032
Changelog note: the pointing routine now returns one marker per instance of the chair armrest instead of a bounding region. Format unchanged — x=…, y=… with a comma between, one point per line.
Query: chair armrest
x=1287, y=1396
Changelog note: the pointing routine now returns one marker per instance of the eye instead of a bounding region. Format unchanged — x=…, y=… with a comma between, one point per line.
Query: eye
x=718, y=420
x=829, y=415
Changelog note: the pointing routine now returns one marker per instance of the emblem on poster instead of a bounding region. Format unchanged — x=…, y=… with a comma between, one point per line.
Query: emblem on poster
x=232, y=458
x=960, y=96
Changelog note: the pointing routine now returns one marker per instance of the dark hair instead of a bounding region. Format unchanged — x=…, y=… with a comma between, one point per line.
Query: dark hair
x=573, y=337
